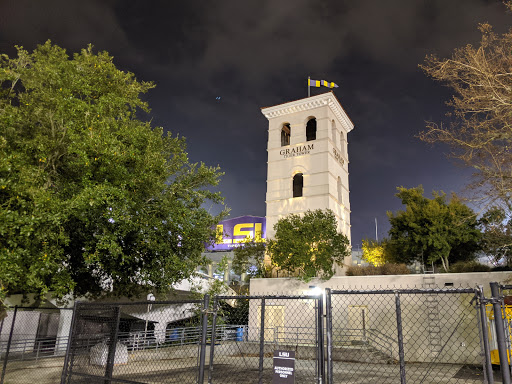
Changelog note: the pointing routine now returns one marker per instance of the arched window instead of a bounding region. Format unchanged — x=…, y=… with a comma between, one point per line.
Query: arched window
x=334, y=133
x=298, y=184
x=286, y=132
x=340, y=194
x=311, y=129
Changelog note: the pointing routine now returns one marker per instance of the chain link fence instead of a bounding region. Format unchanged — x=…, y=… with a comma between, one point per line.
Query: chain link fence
x=449, y=335
x=33, y=343
x=135, y=342
x=271, y=325
x=413, y=336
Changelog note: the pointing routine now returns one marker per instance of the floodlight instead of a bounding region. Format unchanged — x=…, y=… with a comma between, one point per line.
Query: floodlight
x=314, y=290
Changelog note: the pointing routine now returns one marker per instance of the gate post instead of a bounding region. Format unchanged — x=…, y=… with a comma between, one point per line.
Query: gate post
x=500, y=333
x=8, y=348
x=320, y=330
x=485, y=337
x=66, y=371
x=400, y=337
x=113, y=344
x=328, y=331
x=262, y=340
x=212, y=341
x=202, y=352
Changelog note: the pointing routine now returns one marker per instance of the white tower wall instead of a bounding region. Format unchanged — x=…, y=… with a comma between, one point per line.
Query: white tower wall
x=322, y=161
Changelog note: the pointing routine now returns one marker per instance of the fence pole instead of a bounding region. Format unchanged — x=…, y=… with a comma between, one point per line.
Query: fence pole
x=202, y=352
x=485, y=336
x=1, y=327
x=328, y=331
x=500, y=333
x=507, y=327
x=66, y=371
x=400, y=337
x=212, y=342
x=262, y=340
x=9, y=341
x=111, y=357
x=320, y=322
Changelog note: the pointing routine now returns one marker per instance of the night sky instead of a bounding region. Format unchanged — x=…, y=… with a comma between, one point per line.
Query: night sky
x=254, y=54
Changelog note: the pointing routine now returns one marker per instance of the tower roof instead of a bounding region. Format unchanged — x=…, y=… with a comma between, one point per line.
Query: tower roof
x=312, y=102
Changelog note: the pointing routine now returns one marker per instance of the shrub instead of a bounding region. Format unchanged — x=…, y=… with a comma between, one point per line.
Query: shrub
x=353, y=270
x=501, y=268
x=395, y=269
x=469, y=266
x=370, y=270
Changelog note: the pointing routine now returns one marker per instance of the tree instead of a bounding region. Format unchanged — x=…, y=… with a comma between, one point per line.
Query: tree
x=92, y=198
x=432, y=230
x=308, y=245
x=496, y=241
x=374, y=252
x=249, y=258
x=480, y=134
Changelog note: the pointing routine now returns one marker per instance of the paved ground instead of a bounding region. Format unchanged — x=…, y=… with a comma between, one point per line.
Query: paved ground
x=240, y=370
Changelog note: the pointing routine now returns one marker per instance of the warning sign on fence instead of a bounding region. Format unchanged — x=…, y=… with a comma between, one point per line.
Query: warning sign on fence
x=284, y=367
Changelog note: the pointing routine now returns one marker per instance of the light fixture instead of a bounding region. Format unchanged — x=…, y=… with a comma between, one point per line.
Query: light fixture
x=314, y=290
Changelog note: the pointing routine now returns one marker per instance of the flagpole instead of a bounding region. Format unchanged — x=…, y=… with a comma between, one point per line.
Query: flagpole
x=309, y=88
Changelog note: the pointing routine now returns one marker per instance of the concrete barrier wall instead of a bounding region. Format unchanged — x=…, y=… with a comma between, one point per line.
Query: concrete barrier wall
x=291, y=286
x=458, y=339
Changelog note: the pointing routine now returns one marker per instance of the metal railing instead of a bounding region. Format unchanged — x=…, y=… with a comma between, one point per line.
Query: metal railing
x=181, y=336
x=349, y=336
x=382, y=342
x=295, y=335
x=34, y=349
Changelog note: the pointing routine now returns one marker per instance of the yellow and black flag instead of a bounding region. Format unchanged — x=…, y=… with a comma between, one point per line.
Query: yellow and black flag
x=320, y=83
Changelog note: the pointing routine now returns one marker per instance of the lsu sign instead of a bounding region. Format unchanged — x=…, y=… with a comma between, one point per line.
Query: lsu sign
x=231, y=232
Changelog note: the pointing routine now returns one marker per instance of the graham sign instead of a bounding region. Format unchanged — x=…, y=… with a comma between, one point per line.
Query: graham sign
x=299, y=150
x=232, y=232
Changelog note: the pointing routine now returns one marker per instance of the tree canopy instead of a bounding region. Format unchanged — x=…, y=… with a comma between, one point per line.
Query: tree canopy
x=249, y=258
x=496, y=226
x=308, y=245
x=374, y=252
x=480, y=132
x=432, y=230
x=92, y=198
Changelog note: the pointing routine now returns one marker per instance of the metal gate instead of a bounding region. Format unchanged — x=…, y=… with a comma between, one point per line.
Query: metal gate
x=232, y=339
x=92, y=347
x=379, y=335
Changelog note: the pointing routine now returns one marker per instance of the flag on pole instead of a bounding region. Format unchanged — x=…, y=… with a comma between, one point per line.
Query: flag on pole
x=320, y=83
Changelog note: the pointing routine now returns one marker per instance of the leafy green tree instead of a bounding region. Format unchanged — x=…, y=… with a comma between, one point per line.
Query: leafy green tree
x=237, y=313
x=308, y=245
x=92, y=199
x=249, y=258
x=432, y=230
x=222, y=265
x=374, y=252
x=496, y=241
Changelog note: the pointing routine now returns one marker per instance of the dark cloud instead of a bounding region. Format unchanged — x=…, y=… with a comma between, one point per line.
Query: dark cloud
x=259, y=53
x=72, y=24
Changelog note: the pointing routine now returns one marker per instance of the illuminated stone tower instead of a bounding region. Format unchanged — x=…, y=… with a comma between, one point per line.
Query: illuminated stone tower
x=308, y=159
